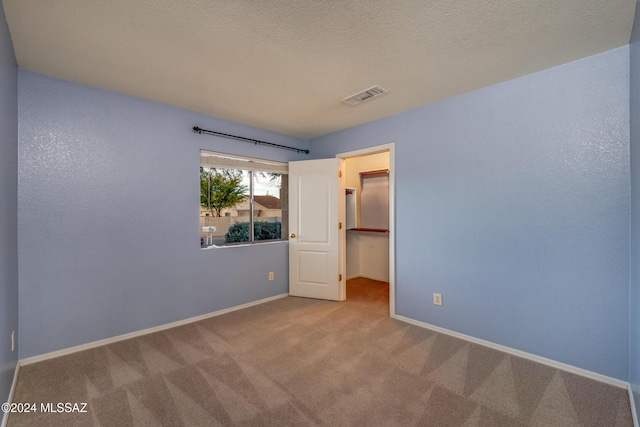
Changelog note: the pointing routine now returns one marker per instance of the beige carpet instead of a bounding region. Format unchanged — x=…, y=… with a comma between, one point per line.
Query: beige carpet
x=297, y=362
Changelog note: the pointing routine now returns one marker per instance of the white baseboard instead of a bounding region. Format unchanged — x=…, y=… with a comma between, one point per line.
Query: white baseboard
x=93, y=344
x=543, y=360
x=5, y=416
x=634, y=413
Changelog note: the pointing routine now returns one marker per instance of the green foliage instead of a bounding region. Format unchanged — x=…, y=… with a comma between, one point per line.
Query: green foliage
x=267, y=230
x=239, y=232
x=221, y=189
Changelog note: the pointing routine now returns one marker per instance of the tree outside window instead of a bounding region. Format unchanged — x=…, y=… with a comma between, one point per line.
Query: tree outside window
x=221, y=189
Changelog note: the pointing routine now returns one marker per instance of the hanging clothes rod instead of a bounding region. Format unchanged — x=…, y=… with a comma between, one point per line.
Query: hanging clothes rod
x=378, y=172
x=196, y=129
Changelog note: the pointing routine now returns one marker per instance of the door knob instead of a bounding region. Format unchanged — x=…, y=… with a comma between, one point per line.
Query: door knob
x=293, y=235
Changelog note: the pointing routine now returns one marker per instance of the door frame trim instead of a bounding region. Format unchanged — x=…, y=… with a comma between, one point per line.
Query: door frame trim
x=390, y=147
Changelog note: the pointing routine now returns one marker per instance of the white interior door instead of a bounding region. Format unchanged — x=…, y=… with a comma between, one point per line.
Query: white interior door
x=315, y=256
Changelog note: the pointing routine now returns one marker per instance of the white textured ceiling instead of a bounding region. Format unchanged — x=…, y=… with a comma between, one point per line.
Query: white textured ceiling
x=285, y=65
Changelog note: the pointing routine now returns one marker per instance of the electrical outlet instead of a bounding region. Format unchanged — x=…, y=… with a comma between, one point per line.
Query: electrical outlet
x=437, y=299
x=13, y=341
x=271, y=276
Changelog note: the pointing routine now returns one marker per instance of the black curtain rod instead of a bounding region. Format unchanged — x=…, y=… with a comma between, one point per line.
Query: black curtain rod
x=196, y=129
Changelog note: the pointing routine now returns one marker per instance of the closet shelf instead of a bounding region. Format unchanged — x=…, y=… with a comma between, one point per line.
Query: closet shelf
x=375, y=230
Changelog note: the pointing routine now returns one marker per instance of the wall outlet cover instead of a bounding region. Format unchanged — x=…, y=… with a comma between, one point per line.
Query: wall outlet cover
x=437, y=299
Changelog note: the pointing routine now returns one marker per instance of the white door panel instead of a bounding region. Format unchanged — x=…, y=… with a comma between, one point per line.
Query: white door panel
x=313, y=267
x=315, y=263
x=314, y=208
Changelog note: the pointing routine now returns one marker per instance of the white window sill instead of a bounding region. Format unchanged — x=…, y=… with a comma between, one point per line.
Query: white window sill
x=244, y=245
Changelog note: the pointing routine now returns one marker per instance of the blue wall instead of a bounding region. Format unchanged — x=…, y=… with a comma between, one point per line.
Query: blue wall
x=109, y=203
x=8, y=208
x=513, y=202
x=634, y=296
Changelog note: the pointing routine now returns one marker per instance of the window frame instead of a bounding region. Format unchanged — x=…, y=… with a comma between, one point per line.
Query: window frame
x=249, y=166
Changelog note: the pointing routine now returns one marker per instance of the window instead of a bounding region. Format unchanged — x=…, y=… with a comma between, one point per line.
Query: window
x=242, y=200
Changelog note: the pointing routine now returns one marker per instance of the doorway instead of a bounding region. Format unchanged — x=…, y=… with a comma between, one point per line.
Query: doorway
x=369, y=252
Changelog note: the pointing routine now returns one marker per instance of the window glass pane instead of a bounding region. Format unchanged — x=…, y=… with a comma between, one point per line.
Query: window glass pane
x=224, y=206
x=268, y=205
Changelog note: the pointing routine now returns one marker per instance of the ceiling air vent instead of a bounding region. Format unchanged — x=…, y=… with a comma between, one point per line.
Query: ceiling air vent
x=366, y=94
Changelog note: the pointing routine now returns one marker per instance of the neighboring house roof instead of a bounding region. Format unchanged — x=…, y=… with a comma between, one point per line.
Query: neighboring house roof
x=269, y=202
x=260, y=203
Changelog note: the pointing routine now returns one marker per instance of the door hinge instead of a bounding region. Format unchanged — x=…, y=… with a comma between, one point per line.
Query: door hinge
x=339, y=174
x=339, y=277
x=339, y=226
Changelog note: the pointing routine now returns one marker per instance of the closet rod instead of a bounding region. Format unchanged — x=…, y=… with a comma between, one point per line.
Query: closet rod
x=380, y=172
x=199, y=130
